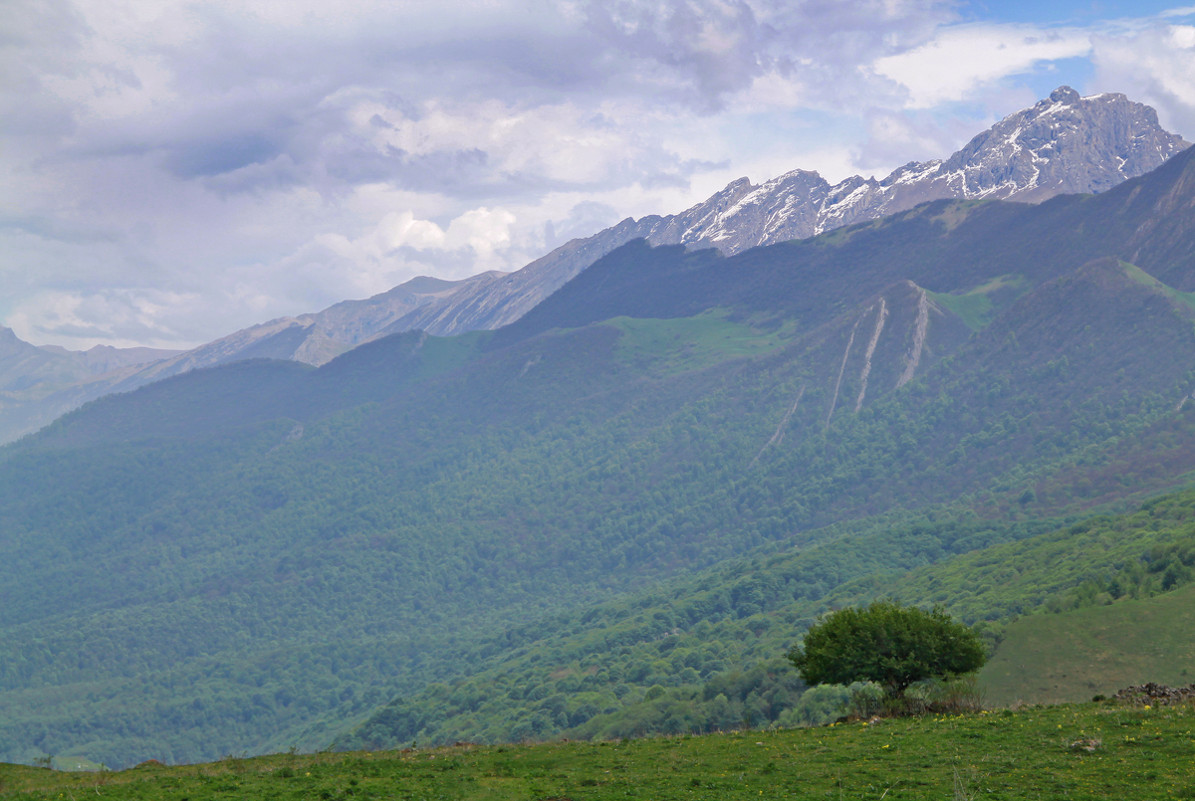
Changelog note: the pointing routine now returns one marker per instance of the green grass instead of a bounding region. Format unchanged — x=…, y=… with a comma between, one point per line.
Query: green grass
x=688, y=343
x=1074, y=655
x=976, y=307
x=1145, y=279
x=1139, y=753
x=76, y=763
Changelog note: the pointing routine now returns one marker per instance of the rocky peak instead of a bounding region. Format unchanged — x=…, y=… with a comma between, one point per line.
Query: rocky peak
x=1063, y=144
x=1064, y=94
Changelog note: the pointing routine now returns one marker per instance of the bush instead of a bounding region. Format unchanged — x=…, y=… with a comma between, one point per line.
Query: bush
x=865, y=699
x=816, y=707
x=950, y=696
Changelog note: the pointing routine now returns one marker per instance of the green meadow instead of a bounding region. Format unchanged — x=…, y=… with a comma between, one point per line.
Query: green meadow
x=1095, y=650
x=1081, y=751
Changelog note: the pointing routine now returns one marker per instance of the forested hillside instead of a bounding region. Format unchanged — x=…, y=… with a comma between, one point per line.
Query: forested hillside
x=705, y=653
x=261, y=555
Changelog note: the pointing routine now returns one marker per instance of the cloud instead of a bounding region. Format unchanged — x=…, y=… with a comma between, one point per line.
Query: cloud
x=401, y=229
x=273, y=96
x=702, y=54
x=895, y=138
x=123, y=318
x=965, y=58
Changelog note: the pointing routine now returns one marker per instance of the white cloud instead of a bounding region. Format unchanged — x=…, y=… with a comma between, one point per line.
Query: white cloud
x=483, y=231
x=965, y=58
x=123, y=318
x=895, y=138
x=401, y=229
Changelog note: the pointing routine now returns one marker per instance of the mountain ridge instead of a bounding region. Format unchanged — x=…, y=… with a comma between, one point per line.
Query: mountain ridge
x=1001, y=163
x=1063, y=144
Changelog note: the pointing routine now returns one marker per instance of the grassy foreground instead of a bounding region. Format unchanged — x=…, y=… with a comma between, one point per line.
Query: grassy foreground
x=1082, y=751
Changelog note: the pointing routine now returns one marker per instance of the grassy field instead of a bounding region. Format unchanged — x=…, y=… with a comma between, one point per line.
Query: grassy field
x=1087, y=751
x=975, y=307
x=689, y=343
x=1072, y=656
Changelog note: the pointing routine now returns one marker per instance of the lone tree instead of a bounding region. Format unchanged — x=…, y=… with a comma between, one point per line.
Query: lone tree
x=892, y=645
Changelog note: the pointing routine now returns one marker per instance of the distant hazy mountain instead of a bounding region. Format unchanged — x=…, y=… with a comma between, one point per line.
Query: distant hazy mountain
x=37, y=384
x=1065, y=144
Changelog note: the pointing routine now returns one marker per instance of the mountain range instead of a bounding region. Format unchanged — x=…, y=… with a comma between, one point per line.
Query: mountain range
x=1064, y=144
x=638, y=489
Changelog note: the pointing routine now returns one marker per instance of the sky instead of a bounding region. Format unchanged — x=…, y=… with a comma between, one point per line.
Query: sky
x=173, y=171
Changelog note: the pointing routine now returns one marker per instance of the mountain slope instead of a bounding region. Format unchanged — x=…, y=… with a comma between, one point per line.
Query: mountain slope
x=1095, y=650
x=722, y=631
x=253, y=556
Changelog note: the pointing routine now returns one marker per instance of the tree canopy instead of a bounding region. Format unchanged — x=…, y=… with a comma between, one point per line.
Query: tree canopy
x=887, y=643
